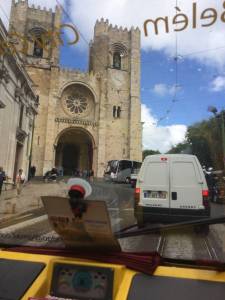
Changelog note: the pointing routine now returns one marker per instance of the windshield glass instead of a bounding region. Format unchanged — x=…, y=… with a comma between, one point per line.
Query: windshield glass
x=111, y=122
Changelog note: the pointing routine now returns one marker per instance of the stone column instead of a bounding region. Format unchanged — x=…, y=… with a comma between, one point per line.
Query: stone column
x=102, y=128
x=50, y=147
x=135, y=142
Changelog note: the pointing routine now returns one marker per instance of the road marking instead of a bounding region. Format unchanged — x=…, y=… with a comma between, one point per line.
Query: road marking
x=24, y=216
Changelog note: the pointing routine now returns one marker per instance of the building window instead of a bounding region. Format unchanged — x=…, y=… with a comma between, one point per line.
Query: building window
x=38, y=48
x=117, y=60
x=118, y=56
x=116, y=111
x=21, y=116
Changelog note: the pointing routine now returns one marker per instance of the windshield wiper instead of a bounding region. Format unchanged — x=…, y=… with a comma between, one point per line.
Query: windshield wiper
x=127, y=232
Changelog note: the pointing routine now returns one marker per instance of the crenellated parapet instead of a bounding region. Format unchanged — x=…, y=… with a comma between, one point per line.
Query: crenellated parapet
x=103, y=26
x=31, y=21
x=25, y=3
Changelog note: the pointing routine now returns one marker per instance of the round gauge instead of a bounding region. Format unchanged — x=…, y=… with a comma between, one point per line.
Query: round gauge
x=82, y=281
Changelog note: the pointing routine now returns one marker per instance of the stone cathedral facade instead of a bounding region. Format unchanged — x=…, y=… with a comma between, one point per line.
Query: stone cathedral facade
x=84, y=118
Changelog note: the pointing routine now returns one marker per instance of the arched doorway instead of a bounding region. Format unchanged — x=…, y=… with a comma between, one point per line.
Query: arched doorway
x=74, y=151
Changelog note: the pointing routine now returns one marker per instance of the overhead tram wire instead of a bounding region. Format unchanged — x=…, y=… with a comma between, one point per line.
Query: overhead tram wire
x=176, y=86
x=194, y=52
x=174, y=98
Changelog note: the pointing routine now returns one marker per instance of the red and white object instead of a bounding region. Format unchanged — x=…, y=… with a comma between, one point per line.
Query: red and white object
x=80, y=185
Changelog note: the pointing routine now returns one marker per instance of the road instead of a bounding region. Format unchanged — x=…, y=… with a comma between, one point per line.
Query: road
x=32, y=228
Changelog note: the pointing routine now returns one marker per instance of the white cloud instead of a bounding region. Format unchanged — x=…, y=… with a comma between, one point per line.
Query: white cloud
x=162, y=89
x=218, y=84
x=5, y=11
x=160, y=138
x=197, y=41
x=124, y=13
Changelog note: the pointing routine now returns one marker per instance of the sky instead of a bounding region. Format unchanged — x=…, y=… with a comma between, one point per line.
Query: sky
x=182, y=72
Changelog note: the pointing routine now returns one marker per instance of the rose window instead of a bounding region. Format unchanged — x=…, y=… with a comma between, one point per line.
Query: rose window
x=76, y=103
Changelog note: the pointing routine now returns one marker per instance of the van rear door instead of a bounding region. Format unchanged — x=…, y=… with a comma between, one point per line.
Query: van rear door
x=154, y=183
x=186, y=185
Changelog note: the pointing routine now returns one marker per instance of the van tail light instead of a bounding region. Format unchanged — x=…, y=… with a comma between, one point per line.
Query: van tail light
x=205, y=195
x=137, y=195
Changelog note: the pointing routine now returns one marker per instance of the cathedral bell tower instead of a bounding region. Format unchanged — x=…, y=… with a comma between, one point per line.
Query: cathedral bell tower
x=115, y=53
x=35, y=33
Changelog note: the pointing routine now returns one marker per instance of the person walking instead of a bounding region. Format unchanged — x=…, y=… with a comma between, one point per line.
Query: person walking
x=32, y=171
x=61, y=171
x=20, y=180
x=91, y=176
x=2, y=178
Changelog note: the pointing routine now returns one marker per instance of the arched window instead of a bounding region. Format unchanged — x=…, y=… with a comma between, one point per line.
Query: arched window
x=117, y=60
x=38, y=48
x=38, y=38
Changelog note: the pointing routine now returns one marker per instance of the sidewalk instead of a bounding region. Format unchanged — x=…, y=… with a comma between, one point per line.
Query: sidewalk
x=12, y=205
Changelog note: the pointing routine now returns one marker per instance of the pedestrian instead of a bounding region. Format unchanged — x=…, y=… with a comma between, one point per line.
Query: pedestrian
x=61, y=171
x=91, y=175
x=20, y=180
x=53, y=174
x=85, y=174
x=32, y=171
x=2, y=178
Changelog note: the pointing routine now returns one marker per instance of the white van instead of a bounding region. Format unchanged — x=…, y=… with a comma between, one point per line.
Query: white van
x=171, y=188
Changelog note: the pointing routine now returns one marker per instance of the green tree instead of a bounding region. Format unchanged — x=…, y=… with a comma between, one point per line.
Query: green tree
x=203, y=139
x=184, y=147
x=206, y=142
x=149, y=152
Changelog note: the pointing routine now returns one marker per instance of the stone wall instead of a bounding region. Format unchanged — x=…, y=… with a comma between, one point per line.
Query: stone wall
x=113, y=138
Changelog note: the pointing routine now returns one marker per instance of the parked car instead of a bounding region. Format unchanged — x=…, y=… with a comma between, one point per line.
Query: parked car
x=171, y=188
x=133, y=177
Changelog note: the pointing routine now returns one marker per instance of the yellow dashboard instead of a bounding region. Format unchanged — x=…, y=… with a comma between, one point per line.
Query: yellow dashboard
x=32, y=276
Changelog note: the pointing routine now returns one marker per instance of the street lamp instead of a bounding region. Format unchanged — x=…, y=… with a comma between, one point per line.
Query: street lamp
x=214, y=110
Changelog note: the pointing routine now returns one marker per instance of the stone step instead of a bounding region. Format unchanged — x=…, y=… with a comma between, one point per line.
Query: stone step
x=8, y=194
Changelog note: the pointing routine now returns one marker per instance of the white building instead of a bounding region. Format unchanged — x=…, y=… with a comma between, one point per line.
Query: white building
x=18, y=107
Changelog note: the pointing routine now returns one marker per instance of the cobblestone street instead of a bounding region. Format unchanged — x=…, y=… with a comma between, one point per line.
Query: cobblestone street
x=25, y=216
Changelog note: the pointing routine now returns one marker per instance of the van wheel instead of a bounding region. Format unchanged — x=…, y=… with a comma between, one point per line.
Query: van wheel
x=202, y=230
